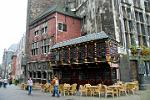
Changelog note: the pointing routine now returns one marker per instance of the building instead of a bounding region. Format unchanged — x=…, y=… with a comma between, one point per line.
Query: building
x=55, y=25
x=128, y=26
x=13, y=66
x=20, y=66
x=6, y=61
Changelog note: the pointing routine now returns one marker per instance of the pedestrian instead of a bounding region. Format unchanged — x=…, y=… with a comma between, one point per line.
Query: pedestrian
x=30, y=84
x=1, y=82
x=5, y=82
x=55, y=88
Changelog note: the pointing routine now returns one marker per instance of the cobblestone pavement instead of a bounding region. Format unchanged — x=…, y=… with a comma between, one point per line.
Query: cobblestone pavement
x=15, y=93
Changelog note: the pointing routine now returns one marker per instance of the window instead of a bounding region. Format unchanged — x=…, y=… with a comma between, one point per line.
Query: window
x=34, y=50
x=44, y=30
x=129, y=13
x=132, y=39
x=127, y=39
x=144, y=41
x=136, y=16
x=62, y=27
x=147, y=4
x=138, y=28
x=125, y=25
x=130, y=26
x=141, y=17
x=139, y=40
x=36, y=32
x=148, y=19
x=124, y=11
x=45, y=46
x=142, y=29
x=147, y=68
x=148, y=30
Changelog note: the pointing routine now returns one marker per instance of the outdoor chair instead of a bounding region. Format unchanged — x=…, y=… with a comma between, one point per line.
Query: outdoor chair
x=82, y=90
x=73, y=89
x=66, y=89
x=122, y=89
x=108, y=91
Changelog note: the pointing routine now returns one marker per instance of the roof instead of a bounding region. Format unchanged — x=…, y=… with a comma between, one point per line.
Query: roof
x=55, y=8
x=82, y=39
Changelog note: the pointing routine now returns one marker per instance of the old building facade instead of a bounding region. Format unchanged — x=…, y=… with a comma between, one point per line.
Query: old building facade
x=125, y=21
x=20, y=53
x=55, y=25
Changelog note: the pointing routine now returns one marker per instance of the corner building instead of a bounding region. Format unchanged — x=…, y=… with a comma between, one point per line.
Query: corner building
x=55, y=25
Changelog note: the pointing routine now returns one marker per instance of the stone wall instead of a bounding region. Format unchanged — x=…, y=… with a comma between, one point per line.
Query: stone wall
x=97, y=16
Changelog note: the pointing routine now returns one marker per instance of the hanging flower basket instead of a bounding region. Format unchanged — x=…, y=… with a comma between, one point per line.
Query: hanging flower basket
x=145, y=51
x=133, y=50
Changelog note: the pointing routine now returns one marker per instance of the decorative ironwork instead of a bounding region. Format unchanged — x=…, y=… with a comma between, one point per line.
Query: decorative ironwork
x=100, y=51
x=90, y=52
x=54, y=57
x=73, y=54
x=64, y=55
x=81, y=53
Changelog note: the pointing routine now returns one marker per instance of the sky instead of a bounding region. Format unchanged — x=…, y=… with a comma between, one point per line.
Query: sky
x=12, y=23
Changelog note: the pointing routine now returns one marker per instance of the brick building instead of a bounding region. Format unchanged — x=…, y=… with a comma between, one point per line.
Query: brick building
x=55, y=25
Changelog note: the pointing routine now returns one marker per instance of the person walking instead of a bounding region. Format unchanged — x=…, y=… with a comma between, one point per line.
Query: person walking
x=30, y=84
x=5, y=82
x=1, y=82
x=55, y=88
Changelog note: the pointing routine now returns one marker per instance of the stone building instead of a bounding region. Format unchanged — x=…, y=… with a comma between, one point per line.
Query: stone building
x=127, y=21
x=20, y=53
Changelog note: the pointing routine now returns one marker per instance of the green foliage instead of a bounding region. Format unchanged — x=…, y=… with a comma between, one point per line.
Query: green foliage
x=145, y=51
x=133, y=49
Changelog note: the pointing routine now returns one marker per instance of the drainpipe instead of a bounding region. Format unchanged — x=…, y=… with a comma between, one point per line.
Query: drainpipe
x=56, y=27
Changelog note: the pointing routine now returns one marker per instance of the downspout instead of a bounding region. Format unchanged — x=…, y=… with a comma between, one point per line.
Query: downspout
x=56, y=28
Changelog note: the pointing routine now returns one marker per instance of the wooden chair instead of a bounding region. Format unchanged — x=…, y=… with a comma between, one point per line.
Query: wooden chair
x=136, y=85
x=108, y=91
x=131, y=87
x=66, y=89
x=122, y=89
x=98, y=90
x=82, y=90
x=42, y=87
x=73, y=89
x=88, y=89
x=60, y=88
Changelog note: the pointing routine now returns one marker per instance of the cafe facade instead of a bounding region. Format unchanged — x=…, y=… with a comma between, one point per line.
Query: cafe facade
x=92, y=59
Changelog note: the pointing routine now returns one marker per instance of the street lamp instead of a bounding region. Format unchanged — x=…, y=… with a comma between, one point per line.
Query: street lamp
x=140, y=70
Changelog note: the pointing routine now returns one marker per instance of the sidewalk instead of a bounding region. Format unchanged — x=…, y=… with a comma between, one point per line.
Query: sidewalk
x=14, y=93
x=139, y=95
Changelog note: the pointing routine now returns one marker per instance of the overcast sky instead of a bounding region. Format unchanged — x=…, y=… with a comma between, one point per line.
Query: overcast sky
x=12, y=22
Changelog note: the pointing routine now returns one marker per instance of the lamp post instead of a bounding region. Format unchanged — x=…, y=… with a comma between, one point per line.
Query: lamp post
x=140, y=71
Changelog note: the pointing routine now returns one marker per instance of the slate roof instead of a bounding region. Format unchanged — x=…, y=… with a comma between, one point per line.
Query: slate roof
x=56, y=8
x=82, y=39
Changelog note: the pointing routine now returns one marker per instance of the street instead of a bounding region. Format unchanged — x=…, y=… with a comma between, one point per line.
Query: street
x=15, y=93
